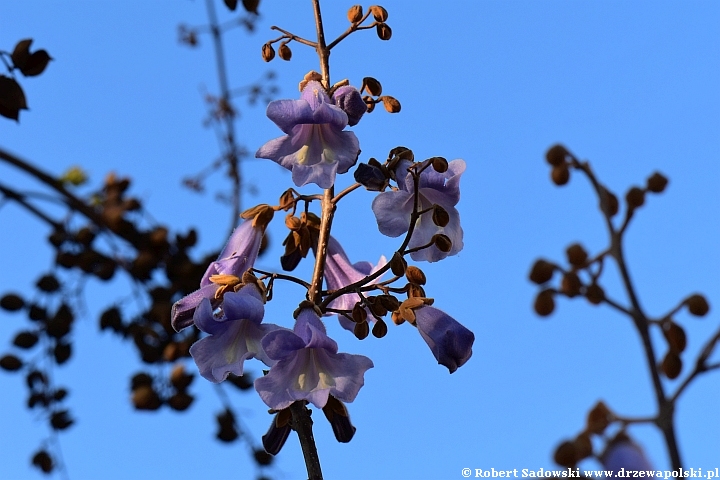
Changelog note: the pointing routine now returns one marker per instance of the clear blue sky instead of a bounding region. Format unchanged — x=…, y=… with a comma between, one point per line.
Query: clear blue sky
x=631, y=86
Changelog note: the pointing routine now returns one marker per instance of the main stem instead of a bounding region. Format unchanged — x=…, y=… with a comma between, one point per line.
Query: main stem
x=300, y=414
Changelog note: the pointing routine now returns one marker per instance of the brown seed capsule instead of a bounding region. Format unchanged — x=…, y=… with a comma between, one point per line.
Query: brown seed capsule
x=268, y=52
x=440, y=216
x=380, y=329
x=180, y=401
x=571, y=284
x=560, y=174
x=398, y=264
x=566, y=454
x=416, y=291
x=657, y=182
x=10, y=363
x=442, y=242
x=544, y=303
x=439, y=164
x=583, y=446
x=576, y=255
x=595, y=294
x=12, y=302
x=361, y=330
x=671, y=365
x=284, y=52
x=355, y=13
x=379, y=13
x=697, y=305
x=369, y=103
x=541, y=272
x=635, y=197
x=556, y=155
x=43, y=461
x=389, y=302
x=415, y=275
x=145, y=398
x=179, y=378
x=383, y=31
x=598, y=418
x=372, y=86
x=390, y=103
x=675, y=336
x=359, y=314
x=609, y=203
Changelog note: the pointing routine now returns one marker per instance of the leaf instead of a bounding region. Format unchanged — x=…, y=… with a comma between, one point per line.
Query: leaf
x=12, y=98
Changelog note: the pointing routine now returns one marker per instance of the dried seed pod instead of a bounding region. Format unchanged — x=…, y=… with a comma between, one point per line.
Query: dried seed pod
x=284, y=52
x=576, y=255
x=389, y=302
x=43, y=461
x=609, y=203
x=566, y=454
x=146, y=398
x=268, y=52
x=355, y=14
x=383, y=31
x=380, y=329
x=635, y=197
x=12, y=302
x=179, y=378
x=361, y=330
x=180, y=401
x=415, y=275
x=398, y=264
x=25, y=339
x=671, y=365
x=595, y=294
x=292, y=222
x=675, y=336
x=287, y=200
x=369, y=103
x=544, y=303
x=379, y=13
x=10, y=363
x=391, y=104
x=416, y=291
x=571, y=284
x=560, y=174
x=440, y=216
x=372, y=86
x=442, y=242
x=439, y=164
x=556, y=155
x=583, y=446
x=359, y=314
x=657, y=182
x=598, y=418
x=541, y=272
x=697, y=305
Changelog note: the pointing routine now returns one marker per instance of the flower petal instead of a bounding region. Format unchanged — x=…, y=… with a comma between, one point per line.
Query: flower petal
x=239, y=253
x=288, y=113
x=450, y=342
x=392, y=211
x=184, y=309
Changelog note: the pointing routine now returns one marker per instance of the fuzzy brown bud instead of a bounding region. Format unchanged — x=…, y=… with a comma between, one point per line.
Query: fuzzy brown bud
x=541, y=272
x=379, y=13
x=361, y=330
x=671, y=365
x=611, y=205
x=675, y=336
x=657, y=182
x=372, y=86
x=583, y=446
x=544, y=303
x=268, y=52
x=560, y=174
x=697, y=305
x=595, y=294
x=439, y=164
x=598, y=418
x=635, y=197
x=391, y=104
x=440, y=216
x=576, y=255
x=383, y=31
x=571, y=284
x=369, y=103
x=380, y=329
x=359, y=314
x=415, y=275
x=566, y=454
x=355, y=13
x=398, y=264
x=442, y=242
x=284, y=52
x=556, y=155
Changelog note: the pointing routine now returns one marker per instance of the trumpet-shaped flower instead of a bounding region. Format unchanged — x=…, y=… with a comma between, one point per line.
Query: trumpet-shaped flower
x=235, y=259
x=450, y=342
x=625, y=454
x=315, y=146
x=308, y=366
x=393, y=209
x=235, y=334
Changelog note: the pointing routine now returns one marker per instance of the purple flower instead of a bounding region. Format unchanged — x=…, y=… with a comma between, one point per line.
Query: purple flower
x=315, y=147
x=393, y=209
x=235, y=335
x=450, y=342
x=235, y=259
x=339, y=273
x=625, y=454
x=348, y=98
x=308, y=366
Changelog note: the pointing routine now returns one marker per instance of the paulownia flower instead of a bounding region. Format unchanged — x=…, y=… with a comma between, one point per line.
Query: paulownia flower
x=315, y=146
x=237, y=257
x=393, y=209
x=235, y=334
x=625, y=453
x=308, y=366
x=450, y=342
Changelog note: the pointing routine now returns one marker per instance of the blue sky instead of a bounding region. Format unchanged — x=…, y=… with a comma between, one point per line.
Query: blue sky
x=630, y=86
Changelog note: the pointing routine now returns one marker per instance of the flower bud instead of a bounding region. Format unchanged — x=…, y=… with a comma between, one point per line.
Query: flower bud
x=284, y=52
x=544, y=303
x=391, y=104
x=697, y=305
x=635, y=197
x=595, y=294
x=598, y=418
x=369, y=103
x=415, y=275
x=571, y=284
x=442, y=242
x=583, y=446
x=361, y=330
x=440, y=216
x=372, y=86
x=180, y=401
x=268, y=52
x=379, y=13
x=560, y=174
x=439, y=164
x=10, y=363
x=671, y=365
x=398, y=265
x=383, y=31
x=12, y=302
x=611, y=205
x=359, y=314
x=355, y=13
x=556, y=155
x=566, y=454
x=380, y=329
x=675, y=336
x=576, y=255
x=541, y=272
x=657, y=182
